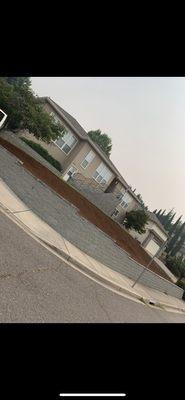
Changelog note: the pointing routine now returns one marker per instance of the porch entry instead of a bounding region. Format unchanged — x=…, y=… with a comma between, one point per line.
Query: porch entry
x=71, y=171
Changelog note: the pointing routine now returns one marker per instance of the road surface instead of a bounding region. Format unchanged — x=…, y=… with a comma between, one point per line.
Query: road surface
x=36, y=287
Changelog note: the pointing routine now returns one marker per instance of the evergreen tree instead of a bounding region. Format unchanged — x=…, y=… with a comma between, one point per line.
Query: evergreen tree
x=162, y=217
x=175, y=236
x=158, y=214
x=142, y=202
x=179, y=243
x=172, y=218
x=175, y=226
x=176, y=265
x=168, y=219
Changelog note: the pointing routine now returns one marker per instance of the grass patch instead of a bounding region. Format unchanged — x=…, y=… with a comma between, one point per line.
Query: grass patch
x=43, y=152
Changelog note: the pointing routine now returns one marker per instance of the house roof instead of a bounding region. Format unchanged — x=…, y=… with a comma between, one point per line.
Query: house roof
x=154, y=219
x=77, y=128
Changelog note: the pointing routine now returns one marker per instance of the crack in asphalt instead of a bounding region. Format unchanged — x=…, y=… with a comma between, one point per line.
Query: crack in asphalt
x=101, y=305
x=19, y=274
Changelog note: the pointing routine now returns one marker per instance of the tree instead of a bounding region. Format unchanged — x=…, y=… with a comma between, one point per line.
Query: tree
x=19, y=81
x=142, y=202
x=176, y=265
x=179, y=243
x=167, y=219
x=175, y=226
x=136, y=219
x=24, y=111
x=170, y=222
x=103, y=141
x=176, y=232
x=158, y=213
x=162, y=217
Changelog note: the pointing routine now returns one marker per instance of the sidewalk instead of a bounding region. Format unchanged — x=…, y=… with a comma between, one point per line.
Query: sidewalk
x=36, y=227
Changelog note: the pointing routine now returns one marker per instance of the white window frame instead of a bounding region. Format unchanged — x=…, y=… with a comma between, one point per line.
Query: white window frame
x=66, y=174
x=61, y=148
x=123, y=203
x=115, y=213
x=103, y=176
x=75, y=168
x=85, y=159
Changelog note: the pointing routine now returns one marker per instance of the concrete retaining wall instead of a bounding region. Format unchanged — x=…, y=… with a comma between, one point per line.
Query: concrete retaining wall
x=132, y=270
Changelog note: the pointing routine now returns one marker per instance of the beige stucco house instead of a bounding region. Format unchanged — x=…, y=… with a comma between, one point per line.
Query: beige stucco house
x=154, y=236
x=80, y=156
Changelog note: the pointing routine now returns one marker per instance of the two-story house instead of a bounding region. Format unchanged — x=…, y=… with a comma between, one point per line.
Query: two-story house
x=78, y=154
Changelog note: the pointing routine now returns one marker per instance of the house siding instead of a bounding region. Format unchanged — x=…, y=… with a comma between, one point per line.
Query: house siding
x=91, y=168
x=143, y=236
x=133, y=205
x=76, y=155
x=152, y=247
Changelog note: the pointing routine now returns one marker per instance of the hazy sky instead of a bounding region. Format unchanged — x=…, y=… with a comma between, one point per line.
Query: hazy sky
x=145, y=118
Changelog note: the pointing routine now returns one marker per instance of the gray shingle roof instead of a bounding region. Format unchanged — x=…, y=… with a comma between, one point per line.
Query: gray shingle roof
x=71, y=119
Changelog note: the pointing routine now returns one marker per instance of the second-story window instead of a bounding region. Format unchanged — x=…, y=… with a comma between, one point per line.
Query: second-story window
x=55, y=117
x=87, y=160
x=125, y=200
x=102, y=174
x=66, y=142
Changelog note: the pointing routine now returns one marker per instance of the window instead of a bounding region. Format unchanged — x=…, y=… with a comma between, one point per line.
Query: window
x=70, y=173
x=124, y=204
x=125, y=200
x=102, y=174
x=87, y=160
x=115, y=213
x=66, y=142
x=55, y=117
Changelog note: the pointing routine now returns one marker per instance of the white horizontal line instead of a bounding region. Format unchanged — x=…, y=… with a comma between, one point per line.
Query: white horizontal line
x=92, y=394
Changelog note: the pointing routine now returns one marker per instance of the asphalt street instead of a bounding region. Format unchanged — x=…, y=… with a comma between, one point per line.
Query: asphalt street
x=35, y=286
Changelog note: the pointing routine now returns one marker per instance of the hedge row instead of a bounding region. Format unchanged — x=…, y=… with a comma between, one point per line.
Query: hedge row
x=43, y=152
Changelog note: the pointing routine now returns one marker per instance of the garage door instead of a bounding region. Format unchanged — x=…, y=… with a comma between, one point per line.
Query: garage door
x=152, y=247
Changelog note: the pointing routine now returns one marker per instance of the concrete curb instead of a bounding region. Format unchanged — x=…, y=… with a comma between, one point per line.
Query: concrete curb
x=88, y=271
x=108, y=282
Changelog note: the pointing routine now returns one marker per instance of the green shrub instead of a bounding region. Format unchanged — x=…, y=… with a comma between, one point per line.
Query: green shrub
x=43, y=152
x=136, y=219
x=176, y=265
